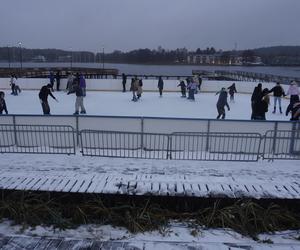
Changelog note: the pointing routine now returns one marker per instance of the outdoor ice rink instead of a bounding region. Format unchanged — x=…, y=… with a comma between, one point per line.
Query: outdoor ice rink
x=120, y=104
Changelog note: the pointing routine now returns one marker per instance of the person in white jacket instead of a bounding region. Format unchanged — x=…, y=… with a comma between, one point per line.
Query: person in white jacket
x=293, y=90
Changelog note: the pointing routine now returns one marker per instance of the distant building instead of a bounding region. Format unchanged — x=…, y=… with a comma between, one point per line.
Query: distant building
x=214, y=59
x=39, y=59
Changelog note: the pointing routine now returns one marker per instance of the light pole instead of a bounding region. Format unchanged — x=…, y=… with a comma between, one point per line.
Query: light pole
x=71, y=58
x=8, y=56
x=103, y=57
x=20, y=46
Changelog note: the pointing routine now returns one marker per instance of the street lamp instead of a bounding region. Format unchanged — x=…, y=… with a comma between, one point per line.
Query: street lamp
x=71, y=58
x=8, y=56
x=20, y=46
x=103, y=57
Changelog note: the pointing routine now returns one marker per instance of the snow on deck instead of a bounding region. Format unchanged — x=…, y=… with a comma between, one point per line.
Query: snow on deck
x=77, y=174
x=278, y=179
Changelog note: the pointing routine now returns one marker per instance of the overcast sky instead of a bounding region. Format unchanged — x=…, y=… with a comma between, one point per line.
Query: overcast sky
x=131, y=24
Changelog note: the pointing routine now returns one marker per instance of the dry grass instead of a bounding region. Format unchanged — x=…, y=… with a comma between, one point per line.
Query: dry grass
x=247, y=217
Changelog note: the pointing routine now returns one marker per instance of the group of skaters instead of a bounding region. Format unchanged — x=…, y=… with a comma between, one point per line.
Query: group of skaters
x=192, y=85
x=260, y=101
x=75, y=84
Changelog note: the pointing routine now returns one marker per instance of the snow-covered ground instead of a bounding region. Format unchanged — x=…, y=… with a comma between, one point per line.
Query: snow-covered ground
x=120, y=104
x=170, y=105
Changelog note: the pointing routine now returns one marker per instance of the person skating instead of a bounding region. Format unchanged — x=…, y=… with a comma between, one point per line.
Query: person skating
x=82, y=84
x=79, y=99
x=139, y=89
x=192, y=86
x=222, y=102
x=232, y=90
x=182, y=88
x=45, y=91
x=278, y=92
x=256, y=96
x=261, y=106
x=124, y=80
x=293, y=107
x=160, y=86
x=3, y=106
x=52, y=80
x=57, y=77
x=134, y=88
x=293, y=90
x=13, y=84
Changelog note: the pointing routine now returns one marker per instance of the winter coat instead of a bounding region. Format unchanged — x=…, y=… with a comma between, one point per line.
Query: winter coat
x=259, y=110
x=82, y=82
x=192, y=85
x=256, y=95
x=160, y=84
x=139, y=88
x=277, y=91
x=293, y=90
x=124, y=78
x=44, y=92
x=222, y=101
x=3, y=106
x=77, y=90
x=232, y=89
x=182, y=85
x=293, y=107
x=134, y=85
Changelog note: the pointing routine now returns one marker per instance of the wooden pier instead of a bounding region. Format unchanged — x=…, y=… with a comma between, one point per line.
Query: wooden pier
x=257, y=77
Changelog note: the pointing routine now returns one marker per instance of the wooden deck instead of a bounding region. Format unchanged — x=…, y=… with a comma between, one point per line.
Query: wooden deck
x=156, y=185
x=37, y=243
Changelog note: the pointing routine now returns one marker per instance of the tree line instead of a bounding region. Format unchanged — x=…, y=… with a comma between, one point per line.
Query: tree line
x=279, y=55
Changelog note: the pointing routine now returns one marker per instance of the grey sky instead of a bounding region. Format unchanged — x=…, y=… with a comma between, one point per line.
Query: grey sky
x=130, y=24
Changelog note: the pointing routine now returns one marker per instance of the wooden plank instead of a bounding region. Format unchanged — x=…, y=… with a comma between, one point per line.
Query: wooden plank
x=77, y=185
x=95, y=182
x=85, y=186
x=101, y=185
x=69, y=186
x=53, y=244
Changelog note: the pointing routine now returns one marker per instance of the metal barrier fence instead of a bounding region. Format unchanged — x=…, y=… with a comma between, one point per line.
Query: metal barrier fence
x=37, y=139
x=215, y=146
x=124, y=144
x=205, y=146
x=183, y=146
x=282, y=144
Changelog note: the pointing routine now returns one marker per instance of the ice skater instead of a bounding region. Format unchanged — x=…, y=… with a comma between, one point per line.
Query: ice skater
x=182, y=88
x=232, y=90
x=45, y=91
x=3, y=106
x=160, y=86
x=278, y=92
x=222, y=102
x=124, y=80
x=79, y=99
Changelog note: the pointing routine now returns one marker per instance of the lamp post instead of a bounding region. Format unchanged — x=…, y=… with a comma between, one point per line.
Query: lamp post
x=8, y=56
x=103, y=57
x=21, y=59
x=71, y=58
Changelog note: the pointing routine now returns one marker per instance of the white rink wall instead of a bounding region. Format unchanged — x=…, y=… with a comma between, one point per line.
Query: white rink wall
x=148, y=84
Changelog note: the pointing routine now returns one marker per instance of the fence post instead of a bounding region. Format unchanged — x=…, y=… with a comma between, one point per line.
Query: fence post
x=77, y=129
x=207, y=137
x=274, y=137
x=15, y=130
x=142, y=132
